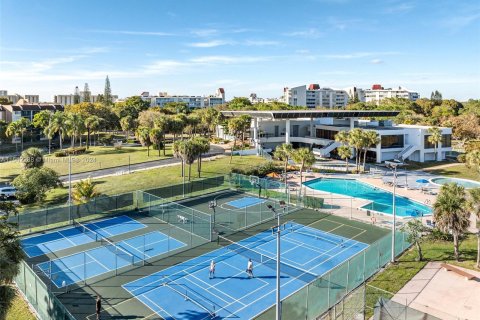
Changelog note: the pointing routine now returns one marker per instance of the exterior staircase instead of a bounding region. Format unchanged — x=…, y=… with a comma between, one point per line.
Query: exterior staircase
x=406, y=152
x=325, y=151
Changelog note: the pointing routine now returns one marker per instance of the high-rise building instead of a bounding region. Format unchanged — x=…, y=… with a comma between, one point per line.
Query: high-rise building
x=314, y=96
x=377, y=93
x=14, y=98
x=192, y=101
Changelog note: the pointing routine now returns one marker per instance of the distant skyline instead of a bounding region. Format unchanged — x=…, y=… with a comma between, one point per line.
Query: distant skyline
x=193, y=47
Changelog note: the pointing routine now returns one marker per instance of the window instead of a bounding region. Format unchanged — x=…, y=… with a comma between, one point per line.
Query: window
x=326, y=134
x=393, y=141
x=446, y=140
x=427, y=144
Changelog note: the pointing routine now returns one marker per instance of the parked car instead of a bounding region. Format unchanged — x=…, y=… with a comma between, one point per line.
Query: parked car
x=7, y=192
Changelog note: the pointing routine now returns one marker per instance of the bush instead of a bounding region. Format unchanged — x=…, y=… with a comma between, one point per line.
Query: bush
x=32, y=184
x=59, y=154
x=75, y=151
x=259, y=170
x=461, y=157
x=437, y=234
x=313, y=202
x=106, y=139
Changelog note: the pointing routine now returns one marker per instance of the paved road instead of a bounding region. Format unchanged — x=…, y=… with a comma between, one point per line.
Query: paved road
x=214, y=151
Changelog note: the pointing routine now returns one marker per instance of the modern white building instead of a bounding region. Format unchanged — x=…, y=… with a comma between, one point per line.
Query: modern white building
x=192, y=101
x=315, y=97
x=377, y=93
x=317, y=129
x=14, y=98
x=67, y=99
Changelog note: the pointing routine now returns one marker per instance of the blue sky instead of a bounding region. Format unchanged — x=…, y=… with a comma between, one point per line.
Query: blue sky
x=193, y=47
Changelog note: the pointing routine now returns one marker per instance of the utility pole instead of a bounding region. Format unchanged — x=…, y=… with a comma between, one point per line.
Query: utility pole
x=393, y=165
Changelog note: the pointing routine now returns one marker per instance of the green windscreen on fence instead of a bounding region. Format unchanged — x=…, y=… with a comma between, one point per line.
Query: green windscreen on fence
x=333, y=287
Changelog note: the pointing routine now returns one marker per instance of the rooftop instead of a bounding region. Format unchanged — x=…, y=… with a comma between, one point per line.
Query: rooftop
x=296, y=114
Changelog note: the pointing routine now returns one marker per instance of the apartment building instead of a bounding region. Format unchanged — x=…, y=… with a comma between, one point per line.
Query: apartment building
x=14, y=98
x=314, y=96
x=25, y=109
x=316, y=129
x=192, y=101
x=377, y=93
x=67, y=99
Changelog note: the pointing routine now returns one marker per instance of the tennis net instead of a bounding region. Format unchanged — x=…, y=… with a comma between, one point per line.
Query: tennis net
x=118, y=251
x=298, y=229
x=292, y=271
x=87, y=231
x=188, y=296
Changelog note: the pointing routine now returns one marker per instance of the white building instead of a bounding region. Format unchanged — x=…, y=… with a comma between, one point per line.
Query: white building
x=67, y=99
x=314, y=96
x=14, y=98
x=192, y=101
x=317, y=129
x=377, y=93
x=254, y=99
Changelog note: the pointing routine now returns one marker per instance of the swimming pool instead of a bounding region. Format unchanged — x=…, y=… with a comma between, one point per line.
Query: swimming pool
x=468, y=184
x=381, y=199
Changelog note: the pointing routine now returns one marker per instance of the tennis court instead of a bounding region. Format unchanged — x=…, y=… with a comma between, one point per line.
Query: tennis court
x=185, y=291
x=109, y=257
x=75, y=236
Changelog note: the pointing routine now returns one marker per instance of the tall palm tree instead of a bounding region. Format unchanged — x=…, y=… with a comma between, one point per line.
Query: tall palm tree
x=474, y=204
x=356, y=140
x=76, y=126
x=372, y=138
x=156, y=138
x=203, y=146
x=14, y=129
x=435, y=137
x=234, y=126
x=187, y=151
x=451, y=212
x=143, y=135
x=163, y=124
x=58, y=124
x=304, y=157
x=345, y=152
x=92, y=123
x=342, y=137
x=283, y=153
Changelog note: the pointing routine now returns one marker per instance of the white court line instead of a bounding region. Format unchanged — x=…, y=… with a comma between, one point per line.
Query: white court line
x=347, y=225
x=209, y=291
x=161, y=309
x=143, y=253
x=311, y=247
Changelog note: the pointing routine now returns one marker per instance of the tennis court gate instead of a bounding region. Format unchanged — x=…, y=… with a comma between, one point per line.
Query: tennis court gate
x=351, y=307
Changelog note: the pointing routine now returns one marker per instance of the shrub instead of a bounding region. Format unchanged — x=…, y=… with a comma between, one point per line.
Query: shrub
x=106, y=139
x=59, y=154
x=75, y=151
x=461, y=157
x=32, y=184
x=437, y=234
x=313, y=202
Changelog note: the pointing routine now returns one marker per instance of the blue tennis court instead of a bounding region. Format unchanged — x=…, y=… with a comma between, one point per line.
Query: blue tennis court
x=87, y=264
x=185, y=291
x=73, y=236
x=245, y=202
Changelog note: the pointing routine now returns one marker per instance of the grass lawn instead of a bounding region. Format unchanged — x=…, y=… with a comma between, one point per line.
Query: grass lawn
x=458, y=171
x=19, y=310
x=97, y=158
x=412, y=165
x=155, y=178
x=394, y=277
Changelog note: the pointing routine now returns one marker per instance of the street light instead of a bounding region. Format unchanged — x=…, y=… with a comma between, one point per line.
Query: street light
x=278, y=231
x=393, y=165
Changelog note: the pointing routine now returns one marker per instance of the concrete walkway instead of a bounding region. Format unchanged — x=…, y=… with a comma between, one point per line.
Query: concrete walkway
x=442, y=294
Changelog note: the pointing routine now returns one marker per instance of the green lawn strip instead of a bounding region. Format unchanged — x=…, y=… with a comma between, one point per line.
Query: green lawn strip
x=146, y=179
x=412, y=165
x=458, y=171
x=97, y=158
x=19, y=310
x=394, y=277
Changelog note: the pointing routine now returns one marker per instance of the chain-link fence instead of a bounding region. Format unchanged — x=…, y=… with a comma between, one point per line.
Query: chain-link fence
x=329, y=289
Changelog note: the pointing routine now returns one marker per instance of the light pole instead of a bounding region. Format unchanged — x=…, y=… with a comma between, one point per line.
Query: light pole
x=278, y=231
x=393, y=165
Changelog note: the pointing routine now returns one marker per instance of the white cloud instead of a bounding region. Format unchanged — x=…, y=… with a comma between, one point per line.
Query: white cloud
x=135, y=33
x=460, y=21
x=311, y=33
x=227, y=59
x=376, y=61
x=400, y=7
x=261, y=43
x=204, y=32
x=357, y=55
x=210, y=44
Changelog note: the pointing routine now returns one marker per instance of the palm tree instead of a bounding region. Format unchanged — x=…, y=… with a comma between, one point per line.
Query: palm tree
x=234, y=126
x=305, y=158
x=14, y=129
x=176, y=126
x=356, y=140
x=474, y=204
x=192, y=122
x=435, y=137
x=49, y=133
x=342, y=137
x=415, y=231
x=92, y=123
x=143, y=135
x=188, y=152
x=76, y=126
x=283, y=153
x=84, y=190
x=371, y=139
x=451, y=212
x=58, y=124
x=156, y=138
x=345, y=152
x=472, y=160
x=203, y=146
x=163, y=124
